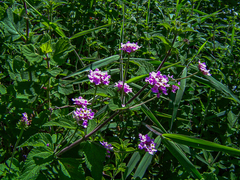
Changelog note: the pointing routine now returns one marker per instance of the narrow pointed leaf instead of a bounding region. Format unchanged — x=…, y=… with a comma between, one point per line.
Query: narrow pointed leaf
x=97, y=64
x=201, y=144
x=131, y=164
x=181, y=157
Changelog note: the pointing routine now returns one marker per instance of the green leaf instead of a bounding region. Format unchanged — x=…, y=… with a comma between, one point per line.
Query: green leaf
x=181, y=157
x=3, y=89
x=73, y=167
x=200, y=143
x=131, y=164
x=29, y=51
x=46, y=47
x=95, y=156
x=151, y=116
x=146, y=161
x=179, y=96
x=15, y=30
x=61, y=50
x=38, y=140
x=223, y=88
x=89, y=31
x=65, y=122
x=97, y=64
x=36, y=160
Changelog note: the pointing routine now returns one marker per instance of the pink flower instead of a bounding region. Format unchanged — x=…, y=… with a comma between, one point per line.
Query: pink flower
x=147, y=144
x=129, y=47
x=126, y=88
x=98, y=77
x=80, y=102
x=83, y=114
x=203, y=68
x=107, y=146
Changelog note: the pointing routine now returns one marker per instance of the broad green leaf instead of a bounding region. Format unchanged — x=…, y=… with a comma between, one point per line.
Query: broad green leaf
x=231, y=118
x=89, y=31
x=36, y=160
x=95, y=156
x=65, y=122
x=73, y=167
x=146, y=161
x=179, y=96
x=131, y=164
x=201, y=144
x=29, y=51
x=97, y=64
x=61, y=50
x=38, y=140
x=46, y=47
x=15, y=30
x=181, y=157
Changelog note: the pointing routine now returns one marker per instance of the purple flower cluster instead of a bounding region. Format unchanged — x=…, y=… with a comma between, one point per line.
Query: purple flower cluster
x=126, y=88
x=129, y=47
x=80, y=102
x=160, y=83
x=203, y=68
x=25, y=122
x=98, y=77
x=107, y=146
x=147, y=144
x=83, y=114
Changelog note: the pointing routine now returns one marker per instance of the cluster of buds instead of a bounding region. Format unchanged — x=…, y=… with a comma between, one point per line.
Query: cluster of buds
x=107, y=146
x=83, y=114
x=203, y=68
x=24, y=122
x=160, y=83
x=129, y=47
x=126, y=88
x=80, y=102
x=147, y=144
x=98, y=77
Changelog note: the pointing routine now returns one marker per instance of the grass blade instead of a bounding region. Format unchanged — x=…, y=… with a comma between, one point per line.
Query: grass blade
x=201, y=144
x=178, y=97
x=181, y=157
x=95, y=65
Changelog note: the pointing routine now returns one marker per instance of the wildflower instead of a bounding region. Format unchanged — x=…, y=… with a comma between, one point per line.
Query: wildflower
x=129, y=47
x=203, y=68
x=107, y=146
x=174, y=87
x=126, y=88
x=147, y=144
x=80, y=102
x=24, y=121
x=83, y=114
x=47, y=144
x=98, y=77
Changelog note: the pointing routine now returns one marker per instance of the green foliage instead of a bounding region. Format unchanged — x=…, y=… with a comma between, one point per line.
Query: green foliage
x=47, y=50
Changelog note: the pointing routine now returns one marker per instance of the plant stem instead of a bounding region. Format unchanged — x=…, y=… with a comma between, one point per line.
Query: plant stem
x=48, y=88
x=19, y=138
x=185, y=77
x=124, y=78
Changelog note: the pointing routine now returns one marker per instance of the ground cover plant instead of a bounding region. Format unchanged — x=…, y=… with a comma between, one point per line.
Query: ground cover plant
x=142, y=89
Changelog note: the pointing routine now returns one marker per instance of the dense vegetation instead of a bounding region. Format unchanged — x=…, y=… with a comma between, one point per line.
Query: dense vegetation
x=49, y=50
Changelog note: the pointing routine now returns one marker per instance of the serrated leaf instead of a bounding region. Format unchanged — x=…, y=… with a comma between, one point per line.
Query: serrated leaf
x=46, y=47
x=36, y=160
x=95, y=157
x=65, y=122
x=29, y=51
x=38, y=140
x=61, y=50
